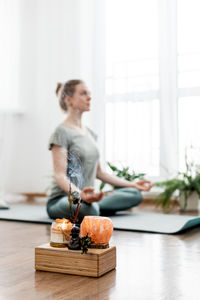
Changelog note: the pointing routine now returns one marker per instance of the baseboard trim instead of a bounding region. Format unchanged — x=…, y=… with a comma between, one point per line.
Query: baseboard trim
x=32, y=196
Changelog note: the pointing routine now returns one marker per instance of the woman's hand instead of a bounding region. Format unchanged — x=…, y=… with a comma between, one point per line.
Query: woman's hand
x=142, y=185
x=88, y=195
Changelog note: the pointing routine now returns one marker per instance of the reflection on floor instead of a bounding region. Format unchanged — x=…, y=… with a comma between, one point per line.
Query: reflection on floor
x=149, y=266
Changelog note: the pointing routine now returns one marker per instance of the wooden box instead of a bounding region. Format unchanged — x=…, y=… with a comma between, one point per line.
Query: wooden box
x=61, y=260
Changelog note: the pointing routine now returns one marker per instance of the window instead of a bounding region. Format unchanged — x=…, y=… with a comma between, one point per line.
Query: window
x=188, y=43
x=188, y=76
x=152, y=83
x=132, y=81
x=189, y=124
x=136, y=143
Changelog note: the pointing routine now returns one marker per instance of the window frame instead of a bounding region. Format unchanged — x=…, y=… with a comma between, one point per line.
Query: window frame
x=168, y=93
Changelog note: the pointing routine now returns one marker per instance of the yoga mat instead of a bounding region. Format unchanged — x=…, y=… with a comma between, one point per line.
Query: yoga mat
x=135, y=221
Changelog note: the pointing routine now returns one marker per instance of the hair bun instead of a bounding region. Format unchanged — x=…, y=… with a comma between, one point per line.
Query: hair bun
x=58, y=88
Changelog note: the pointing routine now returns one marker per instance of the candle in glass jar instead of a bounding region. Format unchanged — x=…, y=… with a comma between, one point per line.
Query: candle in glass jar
x=60, y=233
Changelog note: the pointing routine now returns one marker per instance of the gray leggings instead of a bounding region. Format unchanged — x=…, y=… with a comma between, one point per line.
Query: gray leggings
x=121, y=199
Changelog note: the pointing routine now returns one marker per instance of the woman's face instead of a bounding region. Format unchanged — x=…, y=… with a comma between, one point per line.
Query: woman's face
x=81, y=98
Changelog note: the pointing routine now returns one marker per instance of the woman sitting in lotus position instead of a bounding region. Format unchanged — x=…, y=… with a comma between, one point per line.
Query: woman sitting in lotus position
x=76, y=162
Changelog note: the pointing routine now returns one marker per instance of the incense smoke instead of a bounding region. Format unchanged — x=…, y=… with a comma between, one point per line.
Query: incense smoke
x=75, y=170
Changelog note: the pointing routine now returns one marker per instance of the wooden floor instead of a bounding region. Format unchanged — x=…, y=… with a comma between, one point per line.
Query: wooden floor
x=149, y=267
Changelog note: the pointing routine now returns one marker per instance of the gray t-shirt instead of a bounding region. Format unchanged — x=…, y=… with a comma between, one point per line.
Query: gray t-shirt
x=82, y=157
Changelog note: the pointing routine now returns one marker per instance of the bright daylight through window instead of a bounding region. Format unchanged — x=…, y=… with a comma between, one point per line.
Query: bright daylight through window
x=135, y=70
x=132, y=106
x=188, y=77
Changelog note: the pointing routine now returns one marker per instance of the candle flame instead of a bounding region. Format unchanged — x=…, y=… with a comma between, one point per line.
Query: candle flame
x=63, y=225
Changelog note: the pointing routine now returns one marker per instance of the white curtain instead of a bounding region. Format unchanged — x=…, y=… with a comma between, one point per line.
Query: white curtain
x=9, y=84
x=9, y=53
x=6, y=148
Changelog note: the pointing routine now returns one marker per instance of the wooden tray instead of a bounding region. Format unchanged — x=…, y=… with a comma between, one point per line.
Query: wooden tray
x=62, y=260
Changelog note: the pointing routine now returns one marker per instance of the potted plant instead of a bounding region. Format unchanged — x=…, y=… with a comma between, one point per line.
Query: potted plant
x=123, y=173
x=185, y=187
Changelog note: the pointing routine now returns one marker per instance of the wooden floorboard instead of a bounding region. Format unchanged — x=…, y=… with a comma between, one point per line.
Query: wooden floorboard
x=149, y=267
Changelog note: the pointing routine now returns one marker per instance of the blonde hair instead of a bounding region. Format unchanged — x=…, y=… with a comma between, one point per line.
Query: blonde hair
x=66, y=89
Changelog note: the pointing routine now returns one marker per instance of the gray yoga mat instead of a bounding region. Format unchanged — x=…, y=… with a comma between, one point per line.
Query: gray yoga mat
x=135, y=221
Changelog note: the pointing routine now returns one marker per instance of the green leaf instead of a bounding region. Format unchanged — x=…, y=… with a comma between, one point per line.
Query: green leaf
x=170, y=187
x=113, y=168
x=85, y=242
x=125, y=173
x=102, y=186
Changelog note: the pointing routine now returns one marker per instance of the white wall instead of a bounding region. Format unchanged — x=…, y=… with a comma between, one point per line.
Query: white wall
x=50, y=52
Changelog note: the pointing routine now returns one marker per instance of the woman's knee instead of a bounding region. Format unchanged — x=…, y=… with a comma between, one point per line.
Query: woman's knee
x=138, y=197
x=120, y=200
x=133, y=198
x=129, y=190
x=89, y=209
x=132, y=194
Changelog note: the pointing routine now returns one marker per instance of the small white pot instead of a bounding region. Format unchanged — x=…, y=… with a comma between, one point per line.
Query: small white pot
x=193, y=202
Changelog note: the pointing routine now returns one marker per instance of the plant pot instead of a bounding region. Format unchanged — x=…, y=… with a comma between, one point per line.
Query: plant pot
x=193, y=202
